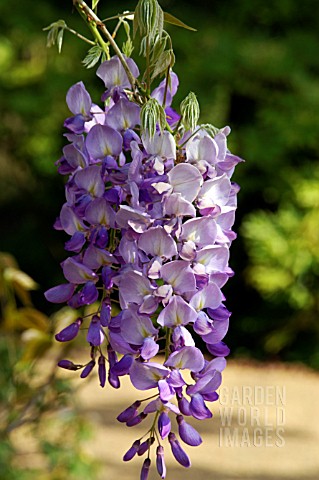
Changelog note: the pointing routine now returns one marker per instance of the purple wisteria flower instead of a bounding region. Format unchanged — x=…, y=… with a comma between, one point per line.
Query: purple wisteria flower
x=149, y=219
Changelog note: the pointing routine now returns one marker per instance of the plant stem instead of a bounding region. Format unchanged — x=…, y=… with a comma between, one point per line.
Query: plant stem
x=79, y=35
x=167, y=343
x=95, y=23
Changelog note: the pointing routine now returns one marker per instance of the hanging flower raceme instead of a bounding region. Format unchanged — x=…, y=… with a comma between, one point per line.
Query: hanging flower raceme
x=149, y=215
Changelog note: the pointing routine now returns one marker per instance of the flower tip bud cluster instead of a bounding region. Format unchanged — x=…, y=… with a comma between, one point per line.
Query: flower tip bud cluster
x=190, y=111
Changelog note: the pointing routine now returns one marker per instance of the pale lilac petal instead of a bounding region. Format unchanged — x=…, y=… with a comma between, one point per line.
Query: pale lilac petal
x=162, y=145
x=177, y=312
x=175, y=205
x=187, y=357
x=204, y=148
x=208, y=383
x=135, y=328
x=180, y=275
x=212, y=259
x=210, y=296
x=149, y=348
x=134, y=286
x=70, y=222
x=95, y=257
x=128, y=216
x=186, y=180
x=119, y=344
x=123, y=115
x=146, y=375
x=182, y=337
x=214, y=192
x=157, y=242
x=201, y=231
x=218, y=331
x=78, y=99
x=99, y=212
x=113, y=74
x=102, y=141
x=76, y=272
x=149, y=304
x=166, y=391
x=90, y=179
x=74, y=156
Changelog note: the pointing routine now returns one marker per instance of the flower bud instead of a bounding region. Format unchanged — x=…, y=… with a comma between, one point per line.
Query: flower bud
x=148, y=18
x=179, y=454
x=132, y=451
x=87, y=369
x=188, y=433
x=136, y=420
x=70, y=332
x=160, y=463
x=145, y=446
x=145, y=469
x=151, y=114
x=68, y=365
x=102, y=371
x=190, y=111
x=129, y=412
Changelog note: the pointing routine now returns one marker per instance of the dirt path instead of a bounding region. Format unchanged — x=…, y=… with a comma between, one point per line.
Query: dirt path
x=265, y=426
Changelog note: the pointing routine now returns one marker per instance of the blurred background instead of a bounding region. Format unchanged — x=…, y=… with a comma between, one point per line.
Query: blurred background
x=254, y=66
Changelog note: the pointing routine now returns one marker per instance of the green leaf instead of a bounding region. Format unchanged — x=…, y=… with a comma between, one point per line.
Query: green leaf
x=163, y=63
x=55, y=34
x=59, y=40
x=175, y=21
x=94, y=4
x=93, y=56
x=127, y=47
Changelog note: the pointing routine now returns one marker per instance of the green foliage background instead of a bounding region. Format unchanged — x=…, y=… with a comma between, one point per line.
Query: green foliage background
x=254, y=66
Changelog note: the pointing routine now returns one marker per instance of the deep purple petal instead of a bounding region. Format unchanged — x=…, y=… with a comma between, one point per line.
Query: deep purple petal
x=188, y=433
x=131, y=451
x=145, y=469
x=219, y=349
x=70, y=332
x=87, y=369
x=102, y=371
x=198, y=408
x=160, y=463
x=164, y=425
x=179, y=454
x=95, y=335
x=60, y=293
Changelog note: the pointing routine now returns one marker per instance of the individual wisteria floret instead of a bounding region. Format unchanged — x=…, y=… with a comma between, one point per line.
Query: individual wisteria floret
x=149, y=220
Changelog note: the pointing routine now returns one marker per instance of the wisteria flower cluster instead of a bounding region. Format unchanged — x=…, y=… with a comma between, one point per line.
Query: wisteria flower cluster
x=149, y=212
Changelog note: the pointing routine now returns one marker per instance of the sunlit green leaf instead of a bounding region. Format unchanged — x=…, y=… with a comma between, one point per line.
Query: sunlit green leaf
x=93, y=56
x=175, y=21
